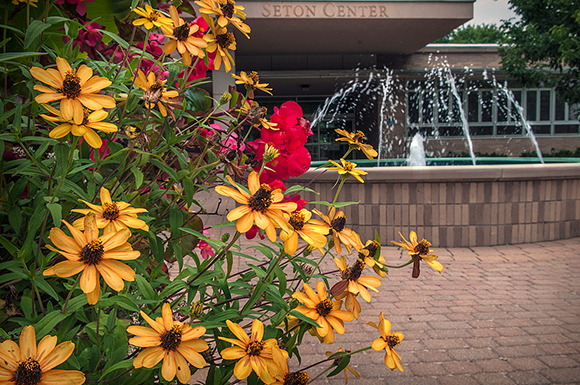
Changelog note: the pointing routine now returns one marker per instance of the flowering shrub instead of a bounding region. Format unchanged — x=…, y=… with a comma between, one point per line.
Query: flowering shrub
x=107, y=139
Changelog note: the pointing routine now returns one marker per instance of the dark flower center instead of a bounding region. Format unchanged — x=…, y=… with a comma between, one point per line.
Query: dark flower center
x=324, y=307
x=171, y=339
x=262, y=199
x=359, y=136
x=422, y=248
x=392, y=341
x=86, y=114
x=228, y=9
x=111, y=211
x=255, y=348
x=181, y=33
x=153, y=16
x=338, y=223
x=371, y=248
x=356, y=270
x=225, y=40
x=296, y=378
x=257, y=112
x=348, y=166
x=158, y=85
x=253, y=76
x=92, y=253
x=297, y=220
x=71, y=85
x=27, y=373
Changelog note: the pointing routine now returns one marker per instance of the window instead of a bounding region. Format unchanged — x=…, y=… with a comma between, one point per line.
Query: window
x=491, y=111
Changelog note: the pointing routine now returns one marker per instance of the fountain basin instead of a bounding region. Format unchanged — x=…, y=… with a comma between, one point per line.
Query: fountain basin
x=460, y=206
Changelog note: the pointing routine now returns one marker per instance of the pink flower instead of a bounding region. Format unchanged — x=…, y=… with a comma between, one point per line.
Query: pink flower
x=254, y=230
x=81, y=6
x=205, y=249
x=89, y=38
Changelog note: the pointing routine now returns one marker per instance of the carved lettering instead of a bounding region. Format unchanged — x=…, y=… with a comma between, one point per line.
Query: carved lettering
x=287, y=8
x=328, y=9
x=383, y=11
x=298, y=11
x=266, y=9
x=351, y=11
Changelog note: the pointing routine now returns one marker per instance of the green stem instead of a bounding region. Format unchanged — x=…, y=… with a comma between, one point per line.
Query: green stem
x=69, y=294
x=398, y=267
x=338, y=191
x=39, y=300
x=135, y=76
x=98, y=326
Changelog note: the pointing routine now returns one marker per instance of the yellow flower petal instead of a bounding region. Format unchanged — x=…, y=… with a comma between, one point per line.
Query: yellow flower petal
x=59, y=354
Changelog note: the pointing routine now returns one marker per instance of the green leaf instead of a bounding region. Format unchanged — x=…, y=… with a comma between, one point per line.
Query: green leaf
x=138, y=176
x=15, y=218
x=189, y=189
x=302, y=317
x=61, y=152
x=119, y=40
x=337, y=204
x=26, y=305
x=343, y=364
x=13, y=250
x=197, y=99
x=33, y=32
x=165, y=168
x=47, y=323
x=125, y=364
x=145, y=287
x=39, y=281
x=17, y=55
x=282, y=279
x=55, y=212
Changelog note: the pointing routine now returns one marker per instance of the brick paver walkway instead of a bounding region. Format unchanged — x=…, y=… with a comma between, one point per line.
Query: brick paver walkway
x=496, y=315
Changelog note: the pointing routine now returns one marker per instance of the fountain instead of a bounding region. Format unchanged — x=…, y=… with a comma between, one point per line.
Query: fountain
x=460, y=206
x=416, y=152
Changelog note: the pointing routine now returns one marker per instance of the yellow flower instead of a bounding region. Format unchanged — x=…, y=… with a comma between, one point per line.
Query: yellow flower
x=350, y=303
x=367, y=254
x=228, y=13
x=388, y=342
x=314, y=235
x=85, y=129
x=352, y=280
x=251, y=352
x=29, y=364
x=93, y=255
x=347, y=169
x=335, y=222
x=173, y=341
x=180, y=37
x=155, y=92
x=354, y=140
x=251, y=82
x=31, y=2
x=286, y=377
x=261, y=206
x=73, y=88
x=419, y=250
x=112, y=216
x=348, y=367
x=152, y=18
x=323, y=311
x=221, y=40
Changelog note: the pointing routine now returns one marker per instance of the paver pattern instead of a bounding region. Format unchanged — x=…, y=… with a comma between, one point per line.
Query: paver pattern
x=496, y=315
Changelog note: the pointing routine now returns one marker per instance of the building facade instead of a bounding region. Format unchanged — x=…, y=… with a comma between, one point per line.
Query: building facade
x=369, y=65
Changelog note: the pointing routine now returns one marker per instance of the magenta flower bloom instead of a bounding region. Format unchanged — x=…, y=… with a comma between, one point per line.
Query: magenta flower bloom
x=81, y=7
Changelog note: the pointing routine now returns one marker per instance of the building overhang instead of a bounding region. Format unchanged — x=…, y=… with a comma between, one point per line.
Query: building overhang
x=343, y=27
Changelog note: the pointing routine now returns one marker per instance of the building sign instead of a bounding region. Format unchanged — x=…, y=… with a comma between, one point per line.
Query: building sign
x=317, y=10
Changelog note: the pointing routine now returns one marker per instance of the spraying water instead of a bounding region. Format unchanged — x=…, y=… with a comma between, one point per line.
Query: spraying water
x=417, y=152
x=529, y=132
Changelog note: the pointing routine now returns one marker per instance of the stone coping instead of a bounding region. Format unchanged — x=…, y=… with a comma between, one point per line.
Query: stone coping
x=527, y=172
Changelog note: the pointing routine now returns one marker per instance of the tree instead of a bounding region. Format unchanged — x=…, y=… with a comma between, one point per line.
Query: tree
x=543, y=47
x=474, y=34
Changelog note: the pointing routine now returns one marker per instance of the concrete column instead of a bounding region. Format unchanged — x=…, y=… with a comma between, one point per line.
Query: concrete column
x=221, y=80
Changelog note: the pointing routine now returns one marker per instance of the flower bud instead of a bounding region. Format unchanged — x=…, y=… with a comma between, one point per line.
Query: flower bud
x=226, y=97
x=270, y=153
x=196, y=310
